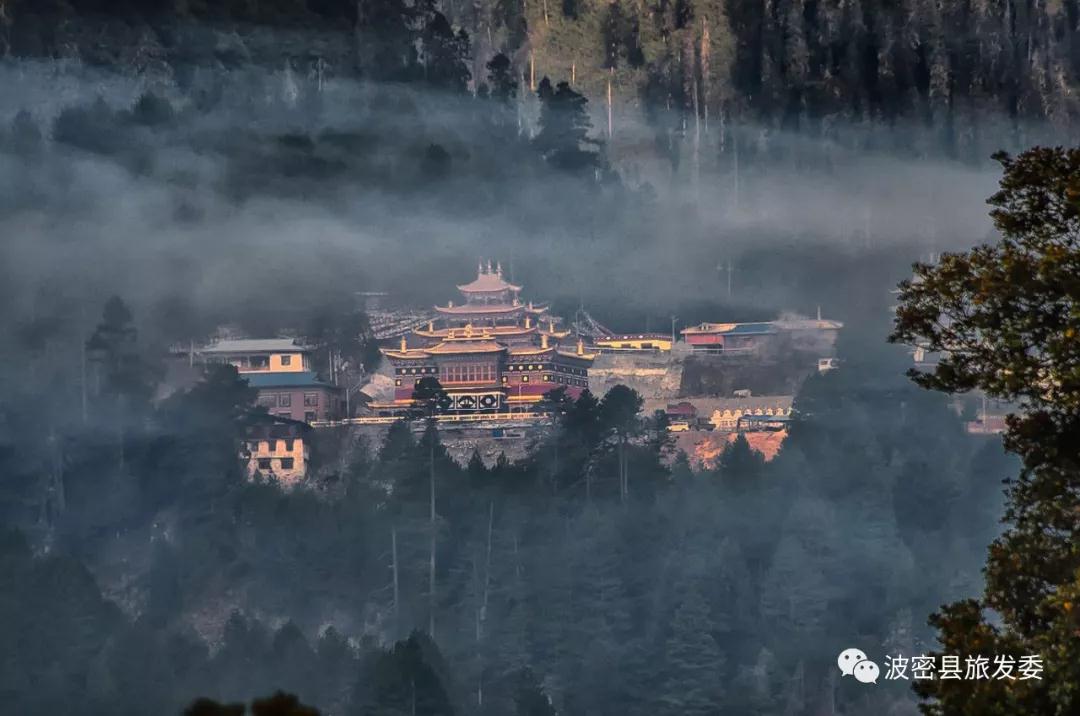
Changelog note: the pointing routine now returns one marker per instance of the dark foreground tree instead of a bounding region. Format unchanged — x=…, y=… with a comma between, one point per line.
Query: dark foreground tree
x=280, y=704
x=1006, y=320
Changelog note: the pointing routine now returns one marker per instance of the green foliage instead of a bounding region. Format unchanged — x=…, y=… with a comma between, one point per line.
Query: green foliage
x=563, y=137
x=501, y=82
x=121, y=371
x=693, y=662
x=446, y=54
x=1005, y=318
x=529, y=697
x=409, y=678
x=1005, y=315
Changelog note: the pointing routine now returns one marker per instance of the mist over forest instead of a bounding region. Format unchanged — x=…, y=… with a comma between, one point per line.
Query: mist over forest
x=170, y=169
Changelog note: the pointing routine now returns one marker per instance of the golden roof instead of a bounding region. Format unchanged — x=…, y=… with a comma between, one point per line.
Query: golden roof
x=530, y=350
x=488, y=282
x=493, y=331
x=574, y=354
x=479, y=309
x=453, y=346
x=405, y=354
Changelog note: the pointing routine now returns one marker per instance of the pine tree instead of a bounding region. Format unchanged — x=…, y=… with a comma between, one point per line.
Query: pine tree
x=693, y=662
x=502, y=84
x=446, y=54
x=529, y=696
x=1004, y=316
x=563, y=139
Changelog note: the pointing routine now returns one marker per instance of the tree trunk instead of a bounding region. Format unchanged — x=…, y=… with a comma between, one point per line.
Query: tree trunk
x=610, y=111
x=705, y=49
x=623, y=483
x=397, y=593
x=431, y=564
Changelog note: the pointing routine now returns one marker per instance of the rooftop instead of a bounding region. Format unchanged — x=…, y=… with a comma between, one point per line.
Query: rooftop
x=494, y=331
x=488, y=281
x=481, y=308
x=254, y=345
x=761, y=327
x=531, y=350
x=706, y=406
x=758, y=328
x=458, y=346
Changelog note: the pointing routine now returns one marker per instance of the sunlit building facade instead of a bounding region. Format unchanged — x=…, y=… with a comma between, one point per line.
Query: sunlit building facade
x=280, y=370
x=491, y=352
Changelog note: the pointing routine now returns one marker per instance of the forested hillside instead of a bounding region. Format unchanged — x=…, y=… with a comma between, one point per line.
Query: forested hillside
x=151, y=576
x=705, y=66
x=172, y=169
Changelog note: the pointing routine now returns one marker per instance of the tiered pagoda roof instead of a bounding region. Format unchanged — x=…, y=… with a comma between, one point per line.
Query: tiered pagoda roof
x=488, y=282
x=482, y=309
x=491, y=320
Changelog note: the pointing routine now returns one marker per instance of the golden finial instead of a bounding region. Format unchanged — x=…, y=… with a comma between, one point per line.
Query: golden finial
x=544, y=341
x=580, y=347
x=404, y=344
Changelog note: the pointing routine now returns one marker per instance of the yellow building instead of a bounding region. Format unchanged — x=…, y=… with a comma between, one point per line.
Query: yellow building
x=744, y=417
x=259, y=355
x=278, y=449
x=658, y=342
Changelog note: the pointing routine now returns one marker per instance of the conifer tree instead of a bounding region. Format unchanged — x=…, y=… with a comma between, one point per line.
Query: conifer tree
x=1004, y=317
x=563, y=139
x=446, y=54
x=693, y=662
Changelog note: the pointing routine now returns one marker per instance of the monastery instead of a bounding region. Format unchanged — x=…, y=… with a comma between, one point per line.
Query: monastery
x=491, y=352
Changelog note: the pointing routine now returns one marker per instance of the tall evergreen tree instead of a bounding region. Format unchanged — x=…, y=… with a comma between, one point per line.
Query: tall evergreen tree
x=693, y=663
x=563, y=139
x=446, y=54
x=1004, y=317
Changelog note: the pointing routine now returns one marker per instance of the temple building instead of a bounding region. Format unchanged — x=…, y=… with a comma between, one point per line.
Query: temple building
x=805, y=334
x=259, y=355
x=491, y=352
x=635, y=343
x=280, y=370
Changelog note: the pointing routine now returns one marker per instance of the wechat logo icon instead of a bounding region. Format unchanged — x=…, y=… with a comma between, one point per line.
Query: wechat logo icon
x=853, y=662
